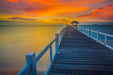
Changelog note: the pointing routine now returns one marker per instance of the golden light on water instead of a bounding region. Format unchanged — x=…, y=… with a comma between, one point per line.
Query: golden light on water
x=17, y=41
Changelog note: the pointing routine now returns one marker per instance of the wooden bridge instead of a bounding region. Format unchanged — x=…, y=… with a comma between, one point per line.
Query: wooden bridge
x=76, y=54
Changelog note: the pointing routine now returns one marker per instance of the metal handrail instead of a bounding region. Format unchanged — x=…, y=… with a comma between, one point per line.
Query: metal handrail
x=31, y=59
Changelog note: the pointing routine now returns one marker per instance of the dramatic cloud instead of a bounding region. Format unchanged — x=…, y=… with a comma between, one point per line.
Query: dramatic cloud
x=19, y=18
x=65, y=20
x=15, y=1
x=55, y=10
x=102, y=13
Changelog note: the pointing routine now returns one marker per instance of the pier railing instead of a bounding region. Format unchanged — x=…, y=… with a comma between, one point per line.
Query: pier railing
x=31, y=60
x=103, y=38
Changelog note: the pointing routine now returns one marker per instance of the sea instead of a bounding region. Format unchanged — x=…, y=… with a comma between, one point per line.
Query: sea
x=17, y=41
x=101, y=28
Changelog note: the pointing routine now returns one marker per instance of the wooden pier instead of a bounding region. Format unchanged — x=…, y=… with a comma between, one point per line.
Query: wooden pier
x=76, y=53
x=81, y=55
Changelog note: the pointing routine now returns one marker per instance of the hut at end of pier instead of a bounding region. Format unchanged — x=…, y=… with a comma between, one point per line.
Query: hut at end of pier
x=75, y=23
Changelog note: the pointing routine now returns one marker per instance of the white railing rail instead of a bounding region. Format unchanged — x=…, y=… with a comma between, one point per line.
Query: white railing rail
x=31, y=59
x=103, y=38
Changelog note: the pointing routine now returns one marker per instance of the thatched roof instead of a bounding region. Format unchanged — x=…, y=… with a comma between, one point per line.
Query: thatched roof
x=75, y=22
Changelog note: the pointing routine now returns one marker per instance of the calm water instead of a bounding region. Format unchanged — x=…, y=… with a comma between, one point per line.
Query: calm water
x=102, y=28
x=16, y=41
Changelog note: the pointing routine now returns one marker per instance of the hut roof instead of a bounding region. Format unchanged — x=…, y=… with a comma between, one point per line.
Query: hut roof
x=74, y=22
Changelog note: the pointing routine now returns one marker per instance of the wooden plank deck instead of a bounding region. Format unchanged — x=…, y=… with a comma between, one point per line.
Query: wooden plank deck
x=80, y=55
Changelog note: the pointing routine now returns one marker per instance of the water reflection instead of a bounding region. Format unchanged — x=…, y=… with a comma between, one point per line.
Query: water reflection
x=16, y=41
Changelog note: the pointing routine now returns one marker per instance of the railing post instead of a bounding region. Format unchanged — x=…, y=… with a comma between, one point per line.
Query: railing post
x=84, y=30
x=105, y=40
x=64, y=31
x=56, y=44
x=51, y=53
x=30, y=60
x=89, y=33
x=61, y=35
x=97, y=35
x=78, y=28
x=81, y=29
x=92, y=34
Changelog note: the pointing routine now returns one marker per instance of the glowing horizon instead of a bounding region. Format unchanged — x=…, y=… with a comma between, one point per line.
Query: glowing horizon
x=49, y=12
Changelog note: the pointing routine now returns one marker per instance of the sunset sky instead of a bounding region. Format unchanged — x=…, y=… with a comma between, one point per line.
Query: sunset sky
x=55, y=12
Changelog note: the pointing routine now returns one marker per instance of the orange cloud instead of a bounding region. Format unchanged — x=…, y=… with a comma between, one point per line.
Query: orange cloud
x=103, y=13
x=46, y=2
x=56, y=10
x=57, y=7
x=15, y=1
x=67, y=2
x=83, y=2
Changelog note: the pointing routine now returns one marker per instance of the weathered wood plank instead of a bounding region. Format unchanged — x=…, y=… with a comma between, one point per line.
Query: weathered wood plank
x=80, y=55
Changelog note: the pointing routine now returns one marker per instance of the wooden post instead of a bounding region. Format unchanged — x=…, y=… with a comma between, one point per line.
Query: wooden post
x=56, y=44
x=105, y=40
x=78, y=29
x=97, y=35
x=89, y=33
x=92, y=33
x=30, y=60
x=64, y=30
x=51, y=53
x=84, y=30
x=61, y=35
x=81, y=29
